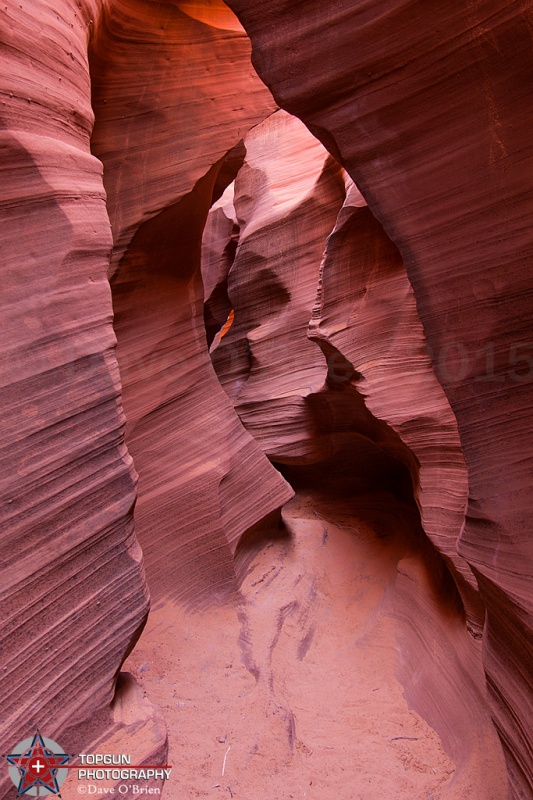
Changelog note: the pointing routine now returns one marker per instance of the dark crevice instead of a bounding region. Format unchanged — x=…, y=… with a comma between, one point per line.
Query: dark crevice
x=218, y=306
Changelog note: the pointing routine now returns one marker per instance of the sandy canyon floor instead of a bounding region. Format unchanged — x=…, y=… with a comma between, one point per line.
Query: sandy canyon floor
x=299, y=690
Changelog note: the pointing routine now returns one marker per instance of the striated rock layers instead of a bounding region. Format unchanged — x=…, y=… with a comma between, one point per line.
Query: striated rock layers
x=286, y=198
x=171, y=94
x=366, y=350
x=74, y=594
x=366, y=312
x=378, y=444
x=202, y=476
x=426, y=112
x=284, y=206
x=74, y=597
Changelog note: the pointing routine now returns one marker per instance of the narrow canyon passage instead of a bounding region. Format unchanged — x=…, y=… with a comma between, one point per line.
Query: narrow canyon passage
x=266, y=454
x=298, y=690
x=329, y=657
x=325, y=654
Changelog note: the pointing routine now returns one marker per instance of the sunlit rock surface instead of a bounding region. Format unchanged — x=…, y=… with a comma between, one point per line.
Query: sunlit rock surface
x=331, y=647
x=74, y=597
x=286, y=198
x=163, y=133
x=427, y=114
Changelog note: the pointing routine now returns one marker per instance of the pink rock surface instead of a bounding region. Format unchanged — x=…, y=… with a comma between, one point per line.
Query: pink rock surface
x=305, y=688
x=203, y=479
x=427, y=114
x=74, y=589
x=314, y=415
x=171, y=94
x=285, y=202
x=137, y=729
x=74, y=596
x=219, y=241
x=275, y=632
x=366, y=311
x=286, y=198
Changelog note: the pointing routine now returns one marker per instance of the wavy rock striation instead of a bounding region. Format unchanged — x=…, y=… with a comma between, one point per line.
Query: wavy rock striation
x=286, y=198
x=171, y=95
x=426, y=114
x=203, y=479
x=74, y=590
x=263, y=259
x=366, y=312
x=74, y=597
x=330, y=420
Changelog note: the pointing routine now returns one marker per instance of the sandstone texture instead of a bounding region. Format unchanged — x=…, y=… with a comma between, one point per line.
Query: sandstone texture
x=285, y=199
x=427, y=114
x=267, y=394
x=306, y=687
x=363, y=456
x=74, y=596
x=284, y=205
x=171, y=94
x=74, y=591
x=359, y=255
x=202, y=477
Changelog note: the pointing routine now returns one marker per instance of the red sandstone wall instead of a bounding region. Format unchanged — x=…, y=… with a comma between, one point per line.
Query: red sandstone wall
x=74, y=596
x=74, y=590
x=426, y=109
x=427, y=114
x=172, y=96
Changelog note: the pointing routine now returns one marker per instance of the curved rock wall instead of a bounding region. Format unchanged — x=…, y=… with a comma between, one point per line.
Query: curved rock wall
x=311, y=412
x=286, y=198
x=426, y=112
x=366, y=311
x=74, y=597
x=73, y=585
x=172, y=96
x=290, y=244
x=219, y=242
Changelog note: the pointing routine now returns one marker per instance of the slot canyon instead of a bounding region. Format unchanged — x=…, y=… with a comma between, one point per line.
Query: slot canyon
x=267, y=399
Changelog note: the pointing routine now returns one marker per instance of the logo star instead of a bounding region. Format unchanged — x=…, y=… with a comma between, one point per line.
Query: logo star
x=38, y=766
